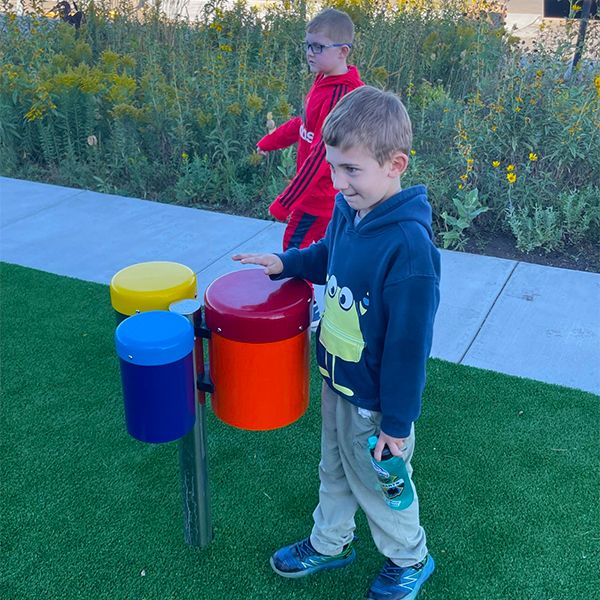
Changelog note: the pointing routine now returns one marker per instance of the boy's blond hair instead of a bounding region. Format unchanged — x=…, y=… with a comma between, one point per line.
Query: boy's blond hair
x=371, y=118
x=333, y=23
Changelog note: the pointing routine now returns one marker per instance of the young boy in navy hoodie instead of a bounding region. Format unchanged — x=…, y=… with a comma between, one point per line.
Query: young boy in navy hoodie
x=308, y=199
x=381, y=270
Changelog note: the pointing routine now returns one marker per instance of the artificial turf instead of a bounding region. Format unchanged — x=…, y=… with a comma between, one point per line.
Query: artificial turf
x=507, y=471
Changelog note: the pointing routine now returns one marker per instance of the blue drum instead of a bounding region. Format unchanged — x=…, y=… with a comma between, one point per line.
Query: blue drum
x=157, y=372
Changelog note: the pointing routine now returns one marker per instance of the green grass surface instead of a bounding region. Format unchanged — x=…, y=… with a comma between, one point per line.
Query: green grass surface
x=506, y=468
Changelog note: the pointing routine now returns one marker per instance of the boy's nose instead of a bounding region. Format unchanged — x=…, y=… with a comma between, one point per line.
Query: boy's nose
x=335, y=178
x=338, y=182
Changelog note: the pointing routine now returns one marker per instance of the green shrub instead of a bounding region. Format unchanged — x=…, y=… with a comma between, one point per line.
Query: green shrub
x=139, y=104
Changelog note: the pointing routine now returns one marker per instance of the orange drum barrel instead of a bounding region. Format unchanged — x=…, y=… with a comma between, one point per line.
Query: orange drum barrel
x=258, y=348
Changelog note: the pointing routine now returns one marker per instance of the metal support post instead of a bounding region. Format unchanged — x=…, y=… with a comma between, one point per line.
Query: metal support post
x=197, y=523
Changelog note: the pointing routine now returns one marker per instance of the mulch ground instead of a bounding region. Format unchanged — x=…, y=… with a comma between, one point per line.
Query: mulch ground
x=581, y=257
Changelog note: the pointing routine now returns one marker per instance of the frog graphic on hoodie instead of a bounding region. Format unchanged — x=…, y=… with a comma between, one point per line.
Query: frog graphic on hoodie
x=340, y=332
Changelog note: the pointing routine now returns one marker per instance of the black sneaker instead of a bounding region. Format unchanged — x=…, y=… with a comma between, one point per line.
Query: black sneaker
x=401, y=583
x=302, y=559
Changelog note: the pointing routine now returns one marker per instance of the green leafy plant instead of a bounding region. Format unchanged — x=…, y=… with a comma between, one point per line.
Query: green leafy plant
x=287, y=166
x=468, y=208
x=577, y=212
x=536, y=228
x=116, y=104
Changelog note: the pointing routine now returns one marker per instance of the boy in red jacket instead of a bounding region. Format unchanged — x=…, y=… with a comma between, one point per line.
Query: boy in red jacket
x=308, y=199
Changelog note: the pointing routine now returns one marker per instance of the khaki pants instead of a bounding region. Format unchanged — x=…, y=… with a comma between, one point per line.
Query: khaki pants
x=348, y=481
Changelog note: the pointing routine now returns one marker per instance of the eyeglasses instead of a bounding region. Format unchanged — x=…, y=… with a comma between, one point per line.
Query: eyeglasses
x=318, y=48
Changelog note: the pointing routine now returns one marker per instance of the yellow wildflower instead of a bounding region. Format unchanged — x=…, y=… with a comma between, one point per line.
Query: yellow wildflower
x=235, y=109
x=576, y=7
x=254, y=102
x=225, y=48
x=380, y=74
x=413, y=152
x=464, y=177
x=185, y=155
x=121, y=90
x=283, y=108
x=597, y=84
x=127, y=111
x=255, y=158
x=33, y=114
x=511, y=177
x=533, y=156
x=109, y=59
x=460, y=186
x=510, y=168
x=495, y=164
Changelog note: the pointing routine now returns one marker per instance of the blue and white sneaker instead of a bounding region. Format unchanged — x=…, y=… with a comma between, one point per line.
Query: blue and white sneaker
x=302, y=559
x=401, y=583
x=316, y=316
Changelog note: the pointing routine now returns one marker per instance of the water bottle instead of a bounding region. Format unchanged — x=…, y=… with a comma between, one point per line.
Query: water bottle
x=393, y=478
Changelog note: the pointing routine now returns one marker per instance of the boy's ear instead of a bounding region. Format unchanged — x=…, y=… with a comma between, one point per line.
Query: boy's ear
x=344, y=51
x=399, y=164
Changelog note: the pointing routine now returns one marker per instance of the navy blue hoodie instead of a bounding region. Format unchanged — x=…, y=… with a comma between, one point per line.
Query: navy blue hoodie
x=382, y=294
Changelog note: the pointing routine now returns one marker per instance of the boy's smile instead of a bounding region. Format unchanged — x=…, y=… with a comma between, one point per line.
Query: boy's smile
x=363, y=181
x=330, y=61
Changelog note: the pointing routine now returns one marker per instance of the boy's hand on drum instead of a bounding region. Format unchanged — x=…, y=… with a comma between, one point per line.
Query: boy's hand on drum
x=271, y=262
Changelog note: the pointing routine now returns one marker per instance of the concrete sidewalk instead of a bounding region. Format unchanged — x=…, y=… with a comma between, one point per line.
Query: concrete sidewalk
x=508, y=316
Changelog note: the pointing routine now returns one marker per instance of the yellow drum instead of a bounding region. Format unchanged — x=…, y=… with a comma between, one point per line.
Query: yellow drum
x=150, y=286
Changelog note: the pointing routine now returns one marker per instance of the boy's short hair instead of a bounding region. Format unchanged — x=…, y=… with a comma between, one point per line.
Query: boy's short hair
x=372, y=118
x=333, y=23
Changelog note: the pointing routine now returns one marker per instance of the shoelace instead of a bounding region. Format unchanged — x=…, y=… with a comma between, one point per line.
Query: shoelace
x=305, y=549
x=394, y=573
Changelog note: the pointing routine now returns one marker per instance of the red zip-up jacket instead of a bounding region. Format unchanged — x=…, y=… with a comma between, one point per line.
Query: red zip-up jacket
x=311, y=189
